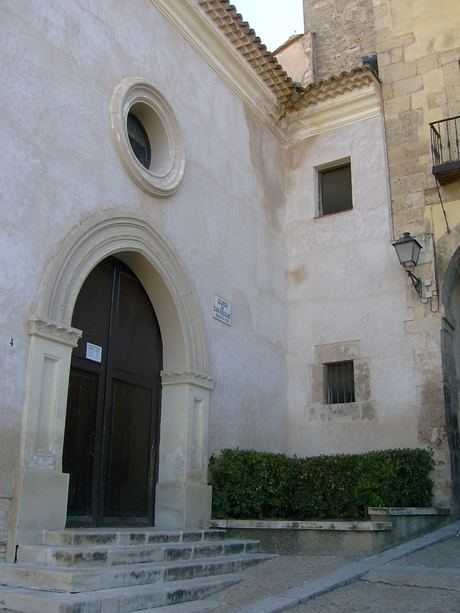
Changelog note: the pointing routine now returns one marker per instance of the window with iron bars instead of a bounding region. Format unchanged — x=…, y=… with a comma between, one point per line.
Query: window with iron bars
x=339, y=382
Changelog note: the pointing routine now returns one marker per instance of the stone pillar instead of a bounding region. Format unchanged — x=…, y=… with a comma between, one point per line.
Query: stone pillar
x=183, y=497
x=451, y=401
x=40, y=487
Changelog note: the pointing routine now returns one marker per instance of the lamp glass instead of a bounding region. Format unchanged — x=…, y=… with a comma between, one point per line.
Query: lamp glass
x=408, y=250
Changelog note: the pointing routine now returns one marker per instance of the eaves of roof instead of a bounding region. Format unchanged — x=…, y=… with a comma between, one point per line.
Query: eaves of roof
x=289, y=95
x=246, y=42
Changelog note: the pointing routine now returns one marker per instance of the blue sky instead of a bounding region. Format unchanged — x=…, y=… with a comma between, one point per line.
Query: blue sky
x=273, y=20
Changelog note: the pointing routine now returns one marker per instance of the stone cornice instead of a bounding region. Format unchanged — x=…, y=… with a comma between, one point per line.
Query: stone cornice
x=333, y=108
x=207, y=26
x=54, y=332
x=335, y=85
x=177, y=377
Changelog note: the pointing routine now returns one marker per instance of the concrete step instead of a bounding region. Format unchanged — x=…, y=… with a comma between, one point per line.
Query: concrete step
x=126, y=536
x=91, y=579
x=98, y=555
x=117, y=600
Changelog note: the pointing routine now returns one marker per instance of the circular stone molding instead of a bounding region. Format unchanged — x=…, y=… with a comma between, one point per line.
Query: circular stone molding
x=166, y=166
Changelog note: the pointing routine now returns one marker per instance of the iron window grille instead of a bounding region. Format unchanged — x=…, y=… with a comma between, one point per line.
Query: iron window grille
x=339, y=382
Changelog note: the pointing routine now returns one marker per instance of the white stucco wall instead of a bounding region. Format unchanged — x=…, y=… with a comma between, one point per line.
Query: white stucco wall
x=346, y=286
x=61, y=62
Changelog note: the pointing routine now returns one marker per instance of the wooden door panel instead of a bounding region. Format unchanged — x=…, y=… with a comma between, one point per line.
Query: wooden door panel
x=130, y=452
x=135, y=348
x=92, y=313
x=112, y=424
x=79, y=441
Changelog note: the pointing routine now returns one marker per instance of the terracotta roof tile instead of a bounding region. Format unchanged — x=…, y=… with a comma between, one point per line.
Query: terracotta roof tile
x=288, y=94
x=334, y=86
x=245, y=40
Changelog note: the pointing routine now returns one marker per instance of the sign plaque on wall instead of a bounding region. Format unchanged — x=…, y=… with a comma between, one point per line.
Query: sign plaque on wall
x=93, y=352
x=222, y=310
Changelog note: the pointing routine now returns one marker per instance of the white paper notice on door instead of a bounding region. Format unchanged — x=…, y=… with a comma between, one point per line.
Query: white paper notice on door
x=93, y=352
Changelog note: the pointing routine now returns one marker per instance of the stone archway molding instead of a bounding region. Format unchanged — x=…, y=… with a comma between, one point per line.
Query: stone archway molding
x=109, y=233
x=183, y=498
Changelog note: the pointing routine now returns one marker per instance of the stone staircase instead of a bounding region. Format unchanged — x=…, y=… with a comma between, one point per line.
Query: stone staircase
x=122, y=570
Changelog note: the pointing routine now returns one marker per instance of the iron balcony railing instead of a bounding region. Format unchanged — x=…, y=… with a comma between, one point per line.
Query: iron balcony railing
x=445, y=147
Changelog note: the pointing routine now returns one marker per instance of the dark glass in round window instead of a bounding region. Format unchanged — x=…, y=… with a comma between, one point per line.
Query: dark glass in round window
x=139, y=140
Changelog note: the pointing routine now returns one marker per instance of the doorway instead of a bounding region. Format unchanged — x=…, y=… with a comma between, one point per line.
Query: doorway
x=113, y=408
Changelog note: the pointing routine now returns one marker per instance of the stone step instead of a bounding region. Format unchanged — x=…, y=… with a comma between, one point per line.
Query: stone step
x=46, y=555
x=116, y=600
x=91, y=579
x=126, y=536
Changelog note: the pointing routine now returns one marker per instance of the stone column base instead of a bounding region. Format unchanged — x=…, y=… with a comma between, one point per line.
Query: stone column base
x=41, y=504
x=183, y=507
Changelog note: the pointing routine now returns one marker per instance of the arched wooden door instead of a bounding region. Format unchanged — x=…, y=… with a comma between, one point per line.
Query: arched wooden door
x=113, y=408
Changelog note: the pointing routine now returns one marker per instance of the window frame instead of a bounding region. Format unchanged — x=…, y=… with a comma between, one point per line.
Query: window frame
x=166, y=169
x=335, y=390
x=320, y=172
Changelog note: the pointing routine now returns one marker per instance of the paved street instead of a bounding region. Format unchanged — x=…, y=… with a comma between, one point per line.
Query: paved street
x=425, y=582
x=422, y=575
x=275, y=576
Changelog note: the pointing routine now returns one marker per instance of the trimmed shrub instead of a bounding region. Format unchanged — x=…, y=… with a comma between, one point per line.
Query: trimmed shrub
x=249, y=484
x=252, y=484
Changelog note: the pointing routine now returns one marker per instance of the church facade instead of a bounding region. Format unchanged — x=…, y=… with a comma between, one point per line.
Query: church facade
x=197, y=251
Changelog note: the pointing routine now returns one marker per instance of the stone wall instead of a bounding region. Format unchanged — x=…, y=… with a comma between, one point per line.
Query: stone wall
x=297, y=59
x=343, y=32
x=418, y=48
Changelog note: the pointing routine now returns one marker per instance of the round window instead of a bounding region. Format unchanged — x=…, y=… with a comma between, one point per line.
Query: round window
x=147, y=137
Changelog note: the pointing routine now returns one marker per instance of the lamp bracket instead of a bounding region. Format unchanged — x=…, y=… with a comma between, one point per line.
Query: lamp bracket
x=416, y=282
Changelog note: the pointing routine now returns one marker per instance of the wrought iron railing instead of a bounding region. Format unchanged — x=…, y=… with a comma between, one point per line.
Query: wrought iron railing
x=445, y=141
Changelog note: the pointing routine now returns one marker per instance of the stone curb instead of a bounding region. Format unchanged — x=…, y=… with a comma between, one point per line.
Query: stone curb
x=349, y=573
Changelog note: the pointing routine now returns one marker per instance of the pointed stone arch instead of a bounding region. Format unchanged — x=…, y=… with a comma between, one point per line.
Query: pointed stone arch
x=150, y=255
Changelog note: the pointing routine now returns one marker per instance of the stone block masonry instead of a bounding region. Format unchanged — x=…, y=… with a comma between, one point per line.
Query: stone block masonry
x=344, y=33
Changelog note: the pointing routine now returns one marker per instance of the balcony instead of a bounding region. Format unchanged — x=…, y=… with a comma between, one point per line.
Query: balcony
x=445, y=149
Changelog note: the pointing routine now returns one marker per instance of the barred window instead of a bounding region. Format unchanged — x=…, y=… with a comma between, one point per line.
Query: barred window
x=339, y=382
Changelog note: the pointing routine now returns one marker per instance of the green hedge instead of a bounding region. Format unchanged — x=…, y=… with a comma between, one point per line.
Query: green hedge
x=254, y=484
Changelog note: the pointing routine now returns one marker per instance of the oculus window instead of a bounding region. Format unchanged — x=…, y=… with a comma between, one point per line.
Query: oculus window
x=335, y=194
x=339, y=382
x=147, y=137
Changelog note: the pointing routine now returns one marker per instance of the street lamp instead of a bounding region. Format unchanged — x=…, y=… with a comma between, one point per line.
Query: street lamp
x=408, y=251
